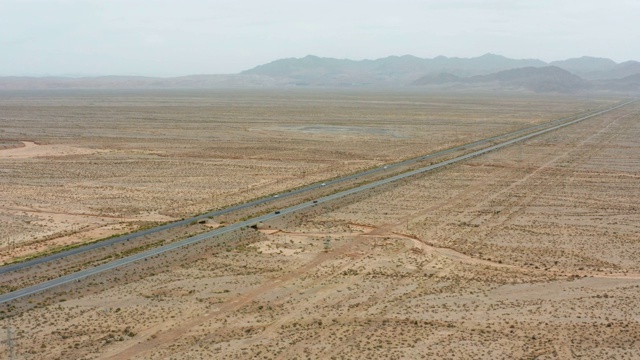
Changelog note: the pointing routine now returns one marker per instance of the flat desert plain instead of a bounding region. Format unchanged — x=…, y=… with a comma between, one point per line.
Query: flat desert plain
x=80, y=166
x=529, y=252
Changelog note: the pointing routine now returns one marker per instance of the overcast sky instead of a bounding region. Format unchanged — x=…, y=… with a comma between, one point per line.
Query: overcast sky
x=171, y=37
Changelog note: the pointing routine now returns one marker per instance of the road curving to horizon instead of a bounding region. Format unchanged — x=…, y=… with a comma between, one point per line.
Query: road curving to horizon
x=529, y=133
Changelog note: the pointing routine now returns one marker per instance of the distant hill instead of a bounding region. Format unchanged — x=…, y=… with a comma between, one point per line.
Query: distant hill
x=544, y=79
x=585, y=65
x=537, y=79
x=489, y=71
x=392, y=70
x=621, y=70
x=482, y=65
x=437, y=79
x=410, y=70
x=599, y=68
x=629, y=84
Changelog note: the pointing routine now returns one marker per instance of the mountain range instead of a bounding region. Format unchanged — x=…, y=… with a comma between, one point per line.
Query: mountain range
x=489, y=71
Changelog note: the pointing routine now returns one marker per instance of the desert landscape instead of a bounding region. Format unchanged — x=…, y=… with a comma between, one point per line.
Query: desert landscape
x=529, y=252
x=79, y=166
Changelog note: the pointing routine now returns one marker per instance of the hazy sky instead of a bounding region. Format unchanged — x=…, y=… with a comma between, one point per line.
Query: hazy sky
x=168, y=38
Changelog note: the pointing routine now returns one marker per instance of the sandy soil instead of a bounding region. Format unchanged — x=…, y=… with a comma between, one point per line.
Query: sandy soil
x=530, y=252
x=77, y=166
x=29, y=150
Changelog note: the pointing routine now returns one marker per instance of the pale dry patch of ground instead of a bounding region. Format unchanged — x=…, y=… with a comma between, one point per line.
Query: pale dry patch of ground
x=30, y=149
x=528, y=252
x=114, y=156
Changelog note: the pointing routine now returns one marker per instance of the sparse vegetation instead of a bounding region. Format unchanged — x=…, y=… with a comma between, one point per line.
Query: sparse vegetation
x=523, y=253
